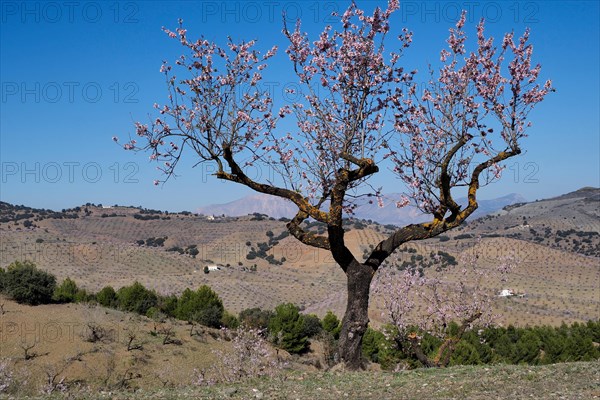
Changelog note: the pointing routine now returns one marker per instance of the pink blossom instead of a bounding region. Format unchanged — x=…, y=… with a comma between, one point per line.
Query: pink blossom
x=358, y=109
x=404, y=201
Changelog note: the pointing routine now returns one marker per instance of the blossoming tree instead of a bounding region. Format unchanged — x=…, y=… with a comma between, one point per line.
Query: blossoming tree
x=359, y=111
x=466, y=301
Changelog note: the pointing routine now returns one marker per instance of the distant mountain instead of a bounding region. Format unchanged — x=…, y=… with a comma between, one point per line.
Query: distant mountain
x=258, y=203
x=388, y=214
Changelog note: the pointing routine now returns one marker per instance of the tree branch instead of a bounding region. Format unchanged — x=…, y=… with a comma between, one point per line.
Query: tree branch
x=341, y=254
x=238, y=176
x=303, y=236
x=437, y=226
x=447, y=348
x=335, y=229
x=415, y=346
x=366, y=167
x=474, y=184
x=446, y=200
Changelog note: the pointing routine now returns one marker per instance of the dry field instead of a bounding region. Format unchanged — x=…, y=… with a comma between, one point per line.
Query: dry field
x=106, y=369
x=58, y=335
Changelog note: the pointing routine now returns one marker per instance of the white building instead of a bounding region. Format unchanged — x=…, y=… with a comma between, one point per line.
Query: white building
x=214, y=267
x=506, y=293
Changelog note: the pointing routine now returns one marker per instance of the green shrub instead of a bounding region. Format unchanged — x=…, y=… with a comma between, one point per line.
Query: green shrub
x=210, y=315
x=203, y=306
x=332, y=324
x=107, y=297
x=255, y=318
x=594, y=330
x=66, y=292
x=26, y=284
x=82, y=296
x=465, y=354
x=491, y=345
x=505, y=348
x=383, y=347
x=286, y=329
x=136, y=298
x=579, y=346
x=168, y=305
x=2, y=275
x=193, y=252
x=373, y=342
x=154, y=313
x=312, y=325
x=527, y=348
x=229, y=320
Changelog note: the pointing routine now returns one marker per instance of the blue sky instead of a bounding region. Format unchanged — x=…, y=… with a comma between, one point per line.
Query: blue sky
x=74, y=74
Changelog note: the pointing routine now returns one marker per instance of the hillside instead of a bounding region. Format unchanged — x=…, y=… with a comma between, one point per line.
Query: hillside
x=61, y=344
x=570, y=222
x=151, y=369
x=557, y=241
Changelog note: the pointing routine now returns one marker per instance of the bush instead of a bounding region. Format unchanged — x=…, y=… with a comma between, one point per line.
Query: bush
x=229, y=321
x=332, y=324
x=381, y=347
x=286, y=329
x=136, y=298
x=177, y=249
x=83, y=296
x=463, y=236
x=26, y=284
x=255, y=318
x=155, y=313
x=373, y=342
x=527, y=348
x=203, y=306
x=66, y=292
x=210, y=316
x=312, y=325
x=168, y=305
x=465, y=354
x=107, y=297
x=530, y=345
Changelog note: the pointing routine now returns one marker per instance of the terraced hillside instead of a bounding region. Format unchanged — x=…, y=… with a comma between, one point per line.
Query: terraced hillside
x=557, y=242
x=570, y=222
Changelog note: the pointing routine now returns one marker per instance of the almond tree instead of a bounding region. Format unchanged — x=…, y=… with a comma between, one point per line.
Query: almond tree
x=466, y=301
x=359, y=112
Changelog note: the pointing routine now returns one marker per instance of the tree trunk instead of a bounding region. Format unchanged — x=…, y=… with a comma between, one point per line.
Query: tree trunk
x=356, y=319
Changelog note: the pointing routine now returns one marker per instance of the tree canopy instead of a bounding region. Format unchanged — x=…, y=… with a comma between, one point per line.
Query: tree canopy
x=358, y=112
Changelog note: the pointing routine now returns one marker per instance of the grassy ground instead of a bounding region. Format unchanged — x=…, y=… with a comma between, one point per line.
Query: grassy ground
x=561, y=381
